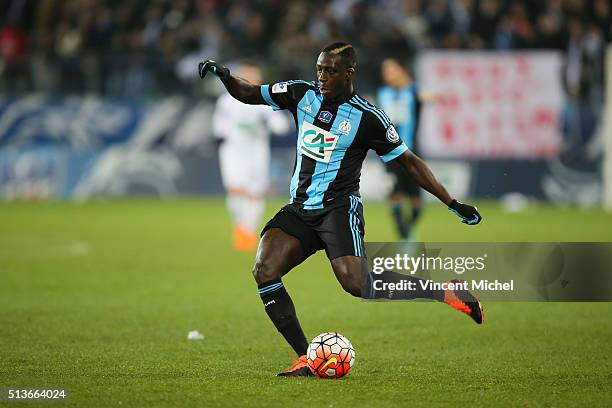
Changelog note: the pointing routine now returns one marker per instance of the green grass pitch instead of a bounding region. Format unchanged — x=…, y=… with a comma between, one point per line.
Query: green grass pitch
x=99, y=297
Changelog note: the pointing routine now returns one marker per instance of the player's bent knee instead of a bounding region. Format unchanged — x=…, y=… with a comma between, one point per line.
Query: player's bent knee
x=263, y=272
x=349, y=282
x=353, y=287
x=350, y=272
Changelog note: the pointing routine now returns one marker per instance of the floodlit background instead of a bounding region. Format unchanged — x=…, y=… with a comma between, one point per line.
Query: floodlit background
x=115, y=241
x=102, y=98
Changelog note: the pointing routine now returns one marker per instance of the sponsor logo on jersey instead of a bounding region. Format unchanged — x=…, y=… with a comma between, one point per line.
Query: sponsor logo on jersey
x=325, y=116
x=318, y=144
x=308, y=109
x=392, y=135
x=280, y=87
x=345, y=127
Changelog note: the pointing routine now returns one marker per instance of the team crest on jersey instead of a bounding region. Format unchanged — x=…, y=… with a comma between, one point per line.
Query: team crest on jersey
x=280, y=87
x=318, y=144
x=325, y=116
x=345, y=127
x=392, y=134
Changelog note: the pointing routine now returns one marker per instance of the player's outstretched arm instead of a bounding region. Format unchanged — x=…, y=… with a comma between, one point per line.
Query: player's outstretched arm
x=423, y=175
x=239, y=88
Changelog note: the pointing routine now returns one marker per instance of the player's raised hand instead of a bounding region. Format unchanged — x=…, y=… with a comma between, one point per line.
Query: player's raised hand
x=468, y=214
x=214, y=67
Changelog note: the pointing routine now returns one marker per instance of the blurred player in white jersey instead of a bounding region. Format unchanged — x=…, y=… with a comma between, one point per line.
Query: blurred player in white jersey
x=244, y=155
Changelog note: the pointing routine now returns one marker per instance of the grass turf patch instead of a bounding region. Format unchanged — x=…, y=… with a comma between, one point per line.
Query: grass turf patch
x=99, y=297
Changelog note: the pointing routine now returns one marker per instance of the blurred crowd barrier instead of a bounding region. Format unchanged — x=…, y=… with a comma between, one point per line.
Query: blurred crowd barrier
x=506, y=128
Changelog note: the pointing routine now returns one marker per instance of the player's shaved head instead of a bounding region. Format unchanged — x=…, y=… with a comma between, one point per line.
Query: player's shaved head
x=335, y=69
x=345, y=51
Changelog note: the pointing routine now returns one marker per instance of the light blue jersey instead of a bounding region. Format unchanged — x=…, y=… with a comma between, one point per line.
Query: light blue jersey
x=332, y=141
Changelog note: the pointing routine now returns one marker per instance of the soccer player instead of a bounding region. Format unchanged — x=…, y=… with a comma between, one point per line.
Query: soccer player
x=244, y=156
x=401, y=99
x=336, y=128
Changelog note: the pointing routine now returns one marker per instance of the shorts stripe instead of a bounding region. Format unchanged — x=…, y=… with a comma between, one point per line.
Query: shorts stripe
x=352, y=227
x=359, y=239
x=356, y=215
x=354, y=224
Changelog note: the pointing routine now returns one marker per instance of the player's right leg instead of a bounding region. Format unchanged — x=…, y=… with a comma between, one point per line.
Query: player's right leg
x=352, y=273
x=277, y=254
x=343, y=231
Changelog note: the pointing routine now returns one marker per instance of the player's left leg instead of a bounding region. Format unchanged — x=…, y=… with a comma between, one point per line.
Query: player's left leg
x=277, y=254
x=286, y=242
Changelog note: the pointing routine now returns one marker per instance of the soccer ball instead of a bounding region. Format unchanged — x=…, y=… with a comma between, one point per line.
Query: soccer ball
x=330, y=355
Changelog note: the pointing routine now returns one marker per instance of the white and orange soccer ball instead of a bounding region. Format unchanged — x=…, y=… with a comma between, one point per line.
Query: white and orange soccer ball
x=330, y=355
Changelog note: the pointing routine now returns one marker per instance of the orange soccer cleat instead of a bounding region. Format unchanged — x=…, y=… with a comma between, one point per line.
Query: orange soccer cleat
x=465, y=302
x=298, y=369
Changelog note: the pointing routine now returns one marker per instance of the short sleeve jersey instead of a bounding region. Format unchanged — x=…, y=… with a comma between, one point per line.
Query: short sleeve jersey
x=404, y=107
x=333, y=140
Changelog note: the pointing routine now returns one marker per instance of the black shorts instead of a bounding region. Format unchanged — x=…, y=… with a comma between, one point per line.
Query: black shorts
x=404, y=183
x=338, y=229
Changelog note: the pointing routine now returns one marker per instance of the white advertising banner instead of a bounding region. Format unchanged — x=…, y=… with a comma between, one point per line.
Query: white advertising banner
x=495, y=105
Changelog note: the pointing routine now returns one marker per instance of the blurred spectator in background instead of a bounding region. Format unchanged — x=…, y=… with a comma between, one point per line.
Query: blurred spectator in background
x=486, y=20
x=602, y=16
x=411, y=22
x=584, y=85
x=13, y=57
x=549, y=26
x=244, y=155
x=142, y=47
x=439, y=20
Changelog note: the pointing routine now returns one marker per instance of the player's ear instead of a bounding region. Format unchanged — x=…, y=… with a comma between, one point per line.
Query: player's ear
x=350, y=72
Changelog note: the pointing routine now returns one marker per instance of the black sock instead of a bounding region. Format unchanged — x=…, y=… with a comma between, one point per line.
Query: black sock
x=417, y=292
x=281, y=311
